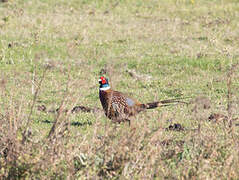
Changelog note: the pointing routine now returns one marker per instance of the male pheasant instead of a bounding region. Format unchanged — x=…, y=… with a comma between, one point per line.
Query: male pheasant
x=119, y=107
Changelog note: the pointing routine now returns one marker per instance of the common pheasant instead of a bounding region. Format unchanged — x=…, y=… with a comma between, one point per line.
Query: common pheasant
x=119, y=107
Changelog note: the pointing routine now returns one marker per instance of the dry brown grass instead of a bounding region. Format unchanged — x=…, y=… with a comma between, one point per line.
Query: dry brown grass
x=117, y=151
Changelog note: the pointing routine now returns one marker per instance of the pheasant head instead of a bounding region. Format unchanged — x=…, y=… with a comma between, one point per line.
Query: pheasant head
x=104, y=84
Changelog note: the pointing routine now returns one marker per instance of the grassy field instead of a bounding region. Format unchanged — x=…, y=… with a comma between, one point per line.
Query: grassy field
x=53, y=52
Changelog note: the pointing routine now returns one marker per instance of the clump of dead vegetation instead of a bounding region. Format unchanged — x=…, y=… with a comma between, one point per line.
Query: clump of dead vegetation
x=117, y=151
x=22, y=153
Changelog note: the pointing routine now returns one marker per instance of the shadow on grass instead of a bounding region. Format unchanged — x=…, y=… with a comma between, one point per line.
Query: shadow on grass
x=72, y=123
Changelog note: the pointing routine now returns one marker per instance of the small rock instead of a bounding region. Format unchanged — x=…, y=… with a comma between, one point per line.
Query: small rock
x=41, y=108
x=175, y=127
x=216, y=117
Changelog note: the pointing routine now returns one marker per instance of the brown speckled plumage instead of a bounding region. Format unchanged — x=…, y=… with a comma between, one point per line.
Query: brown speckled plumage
x=116, y=107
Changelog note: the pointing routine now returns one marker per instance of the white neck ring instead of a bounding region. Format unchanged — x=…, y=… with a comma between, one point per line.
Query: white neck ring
x=104, y=88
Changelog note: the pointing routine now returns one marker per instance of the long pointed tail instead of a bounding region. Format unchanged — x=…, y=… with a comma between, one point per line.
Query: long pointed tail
x=167, y=102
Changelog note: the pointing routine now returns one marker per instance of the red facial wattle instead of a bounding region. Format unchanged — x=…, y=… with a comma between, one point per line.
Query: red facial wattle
x=103, y=80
